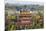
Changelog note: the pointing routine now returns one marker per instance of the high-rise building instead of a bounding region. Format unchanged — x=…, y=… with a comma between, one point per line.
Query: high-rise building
x=25, y=19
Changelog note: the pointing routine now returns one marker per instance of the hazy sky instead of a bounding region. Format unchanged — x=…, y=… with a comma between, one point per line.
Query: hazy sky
x=22, y=2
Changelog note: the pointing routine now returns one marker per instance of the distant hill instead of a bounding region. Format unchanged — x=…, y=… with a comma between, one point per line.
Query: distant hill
x=34, y=7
